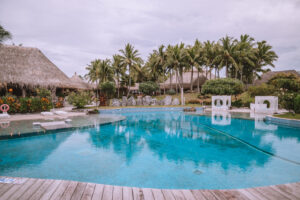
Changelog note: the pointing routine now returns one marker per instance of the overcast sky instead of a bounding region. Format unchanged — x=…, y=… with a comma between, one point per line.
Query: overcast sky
x=71, y=33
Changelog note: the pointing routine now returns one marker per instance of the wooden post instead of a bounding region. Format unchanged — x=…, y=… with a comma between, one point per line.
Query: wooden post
x=23, y=92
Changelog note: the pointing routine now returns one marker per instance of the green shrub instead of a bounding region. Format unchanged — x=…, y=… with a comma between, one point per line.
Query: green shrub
x=108, y=88
x=238, y=103
x=261, y=90
x=42, y=92
x=171, y=92
x=287, y=100
x=79, y=99
x=148, y=88
x=288, y=82
x=297, y=104
x=246, y=99
x=223, y=86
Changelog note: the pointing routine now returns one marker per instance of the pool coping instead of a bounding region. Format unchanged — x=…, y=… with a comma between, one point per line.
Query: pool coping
x=57, y=189
x=284, y=121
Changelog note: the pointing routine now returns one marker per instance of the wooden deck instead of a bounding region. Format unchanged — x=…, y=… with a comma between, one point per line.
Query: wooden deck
x=41, y=189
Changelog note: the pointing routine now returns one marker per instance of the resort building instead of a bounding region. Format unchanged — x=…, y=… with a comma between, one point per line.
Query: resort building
x=26, y=68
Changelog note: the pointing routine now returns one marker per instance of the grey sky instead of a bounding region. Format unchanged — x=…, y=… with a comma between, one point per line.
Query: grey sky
x=72, y=33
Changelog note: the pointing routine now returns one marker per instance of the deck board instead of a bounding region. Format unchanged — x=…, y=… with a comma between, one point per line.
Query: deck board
x=41, y=189
x=60, y=190
x=98, y=192
x=88, y=192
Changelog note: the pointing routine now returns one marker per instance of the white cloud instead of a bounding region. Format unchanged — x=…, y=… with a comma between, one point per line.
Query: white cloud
x=72, y=33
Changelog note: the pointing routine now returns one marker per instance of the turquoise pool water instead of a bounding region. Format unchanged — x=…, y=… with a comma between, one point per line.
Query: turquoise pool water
x=162, y=149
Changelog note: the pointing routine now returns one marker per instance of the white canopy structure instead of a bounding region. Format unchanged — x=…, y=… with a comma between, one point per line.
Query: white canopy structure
x=221, y=102
x=220, y=118
x=265, y=104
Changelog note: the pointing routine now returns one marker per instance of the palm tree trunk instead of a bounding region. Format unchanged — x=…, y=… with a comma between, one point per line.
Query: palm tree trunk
x=198, y=79
x=171, y=76
x=129, y=83
x=218, y=73
x=176, y=82
x=181, y=87
x=192, y=76
x=118, y=85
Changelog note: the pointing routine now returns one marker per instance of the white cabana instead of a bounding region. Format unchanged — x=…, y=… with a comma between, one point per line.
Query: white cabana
x=265, y=104
x=221, y=102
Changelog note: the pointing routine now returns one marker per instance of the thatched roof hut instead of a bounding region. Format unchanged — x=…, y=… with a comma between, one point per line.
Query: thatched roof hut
x=187, y=80
x=80, y=83
x=29, y=67
x=268, y=75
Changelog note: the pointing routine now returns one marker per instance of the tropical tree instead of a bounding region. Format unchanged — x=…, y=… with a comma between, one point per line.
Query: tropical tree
x=130, y=58
x=4, y=34
x=264, y=56
x=194, y=59
x=177, y=57
x=118, y=69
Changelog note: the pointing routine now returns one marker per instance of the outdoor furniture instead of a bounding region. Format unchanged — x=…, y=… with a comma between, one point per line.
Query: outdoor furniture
x=221, y=102
x=261, y=105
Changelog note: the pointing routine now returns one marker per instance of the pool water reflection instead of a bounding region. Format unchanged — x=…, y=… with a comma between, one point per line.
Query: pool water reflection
x=161, y=150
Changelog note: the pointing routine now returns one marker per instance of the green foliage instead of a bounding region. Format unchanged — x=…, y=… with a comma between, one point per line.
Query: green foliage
x=246, y=99
x=224, y=86
x=238, y=103
x=297, y=104
x=148, y=88
x=79, y=99
x=171, y=92
x=27, y=104
x=286, y=82
x=108, y=88
x=261, y=90
x=42, y=92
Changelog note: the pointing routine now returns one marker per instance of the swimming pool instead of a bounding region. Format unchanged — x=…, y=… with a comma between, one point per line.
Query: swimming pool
x=162, y=149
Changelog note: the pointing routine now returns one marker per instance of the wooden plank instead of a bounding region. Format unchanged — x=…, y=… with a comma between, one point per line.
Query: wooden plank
x=37, y=195
x=127, y=193
x=11, y=191
x=198, y=195
x=178, y=195
x=137, y=194
x=60, y=190
x=254, y=193
x=28, y=193
x=218, y=194
x=98, y=192
x=4, y=187
x=290, y=190
x=168, y=194
x=188, y=194
x=51, y=189
x=69, y=191
x=233, y=194
x=147, y=193
x=208, y=195
x=157, y=194
x=77, y=194
x=286, y=194
x=88, y=192
x=107, y=192
x=269, y=193
x=117, y=193
x=20, y=191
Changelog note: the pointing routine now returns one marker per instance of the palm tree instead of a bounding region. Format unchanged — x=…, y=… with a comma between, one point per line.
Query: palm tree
x=209, y=56
x=193, y=56
x=225, y=56
x=106, y=71
x=177, y=57
x=4, y=34
x=264, y=56
x=130, y=58
x=93, y=73
x=118, y=70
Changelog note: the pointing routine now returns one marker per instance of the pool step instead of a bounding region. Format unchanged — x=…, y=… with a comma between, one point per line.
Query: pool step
x=54, y=125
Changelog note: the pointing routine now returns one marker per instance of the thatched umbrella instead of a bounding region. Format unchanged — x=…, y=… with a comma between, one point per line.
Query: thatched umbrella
x=29, y=68
x=81, y=84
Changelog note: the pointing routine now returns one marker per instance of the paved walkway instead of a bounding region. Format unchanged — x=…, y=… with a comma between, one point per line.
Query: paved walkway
x=41, y=189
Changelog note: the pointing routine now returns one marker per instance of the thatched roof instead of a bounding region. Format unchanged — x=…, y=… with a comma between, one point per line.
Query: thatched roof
x=80, y=83
x=187, y=80
x=268, y=75
x=29, y=67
